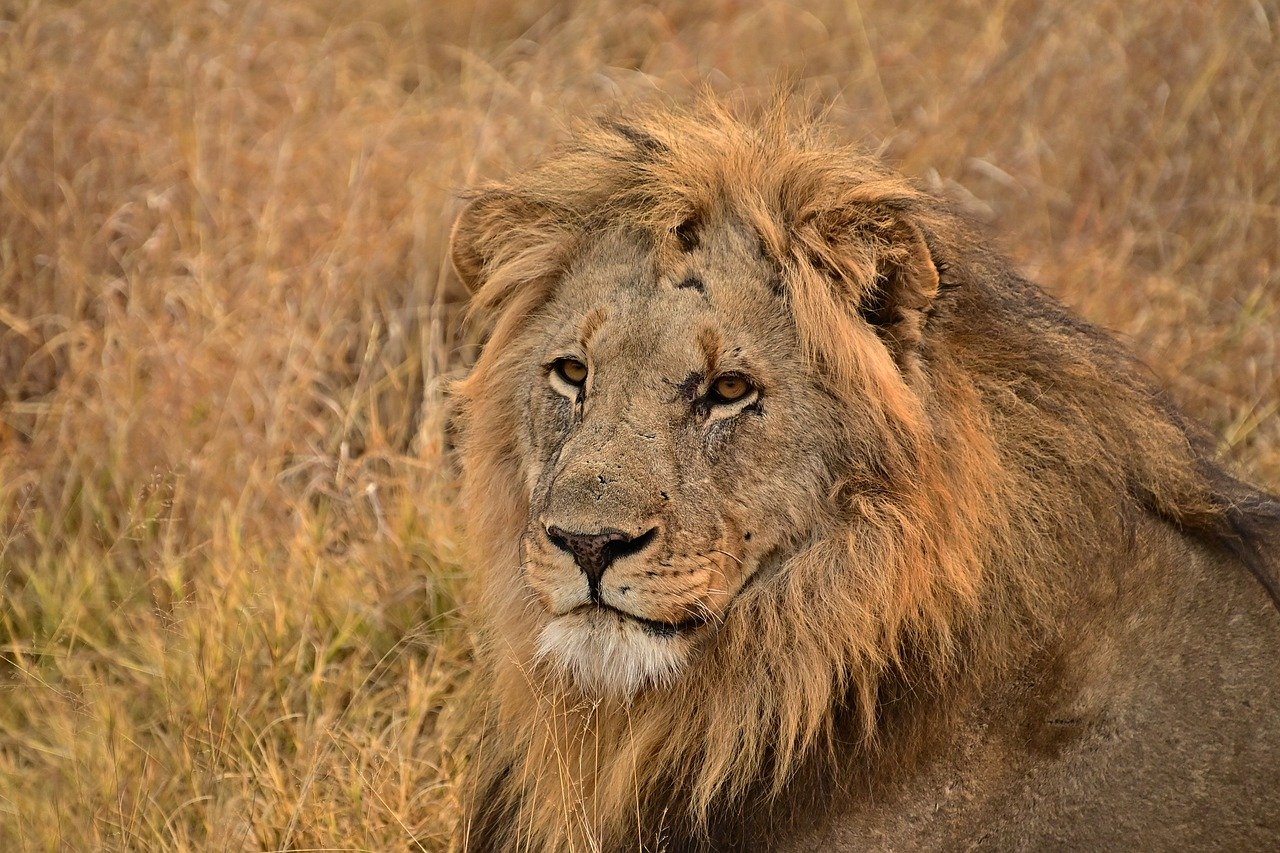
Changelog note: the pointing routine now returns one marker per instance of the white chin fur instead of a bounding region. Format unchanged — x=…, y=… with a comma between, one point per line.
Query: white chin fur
x=609, y=657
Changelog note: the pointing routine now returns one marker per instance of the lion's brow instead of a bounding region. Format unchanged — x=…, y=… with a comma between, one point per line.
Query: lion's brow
x=709, y=342
x=591, y=324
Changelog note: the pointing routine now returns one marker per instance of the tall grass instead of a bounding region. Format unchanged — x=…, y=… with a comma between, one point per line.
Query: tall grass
x=229, y=555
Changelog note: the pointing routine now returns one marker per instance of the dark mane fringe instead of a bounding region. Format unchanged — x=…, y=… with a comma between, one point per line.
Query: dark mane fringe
x=1241, y=519
x=1248, y=529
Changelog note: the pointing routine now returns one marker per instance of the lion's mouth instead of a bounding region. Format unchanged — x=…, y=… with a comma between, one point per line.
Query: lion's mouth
x=655, y=627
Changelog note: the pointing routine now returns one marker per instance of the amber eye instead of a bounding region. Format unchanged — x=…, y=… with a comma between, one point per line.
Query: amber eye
x=571, y=371
x=730, y=389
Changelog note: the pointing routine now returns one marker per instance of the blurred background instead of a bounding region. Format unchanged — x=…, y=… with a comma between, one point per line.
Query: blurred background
x=228, y=549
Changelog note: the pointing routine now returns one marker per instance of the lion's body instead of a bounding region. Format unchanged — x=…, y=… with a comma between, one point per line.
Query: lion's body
x=951, y=573
x=1156, y=730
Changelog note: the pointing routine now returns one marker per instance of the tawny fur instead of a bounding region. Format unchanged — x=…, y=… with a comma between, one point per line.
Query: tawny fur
x=1004, y=453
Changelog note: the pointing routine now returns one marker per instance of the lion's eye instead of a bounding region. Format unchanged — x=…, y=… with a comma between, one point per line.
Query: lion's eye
x=571, y=371
x=730, y=389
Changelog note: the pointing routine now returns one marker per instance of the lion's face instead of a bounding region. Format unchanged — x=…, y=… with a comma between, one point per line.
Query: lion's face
x=676, y=447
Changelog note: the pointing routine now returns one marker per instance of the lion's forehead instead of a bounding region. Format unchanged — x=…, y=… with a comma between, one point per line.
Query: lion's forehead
x=655, y=333
x=631, y=306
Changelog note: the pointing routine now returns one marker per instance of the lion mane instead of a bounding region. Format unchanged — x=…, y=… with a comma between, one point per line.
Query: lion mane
x=1015, y=446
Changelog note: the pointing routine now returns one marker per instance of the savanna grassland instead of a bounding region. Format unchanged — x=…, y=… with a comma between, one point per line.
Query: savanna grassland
x=231, y=569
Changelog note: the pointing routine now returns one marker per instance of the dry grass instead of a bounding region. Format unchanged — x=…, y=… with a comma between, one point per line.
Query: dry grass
x=229, y=559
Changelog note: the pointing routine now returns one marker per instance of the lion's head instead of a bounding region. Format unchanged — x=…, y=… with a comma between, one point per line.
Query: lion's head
x=674, y=443
x=759, y=436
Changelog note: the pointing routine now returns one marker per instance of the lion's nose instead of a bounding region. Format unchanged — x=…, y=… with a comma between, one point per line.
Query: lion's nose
x=595, y=552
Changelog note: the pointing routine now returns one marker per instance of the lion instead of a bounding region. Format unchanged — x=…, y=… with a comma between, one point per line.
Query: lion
x=802, y=521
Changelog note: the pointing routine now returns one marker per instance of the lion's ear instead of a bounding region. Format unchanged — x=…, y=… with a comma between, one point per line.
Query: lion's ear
x=479, y=234
x=883, y=262
x=465, y=242
x=905, y=285
x=497, y=227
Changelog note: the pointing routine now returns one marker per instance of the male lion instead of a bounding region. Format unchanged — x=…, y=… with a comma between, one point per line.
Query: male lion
x=804, y=521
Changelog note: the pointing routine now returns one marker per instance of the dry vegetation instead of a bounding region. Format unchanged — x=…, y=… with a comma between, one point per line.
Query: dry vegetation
x=228, y=554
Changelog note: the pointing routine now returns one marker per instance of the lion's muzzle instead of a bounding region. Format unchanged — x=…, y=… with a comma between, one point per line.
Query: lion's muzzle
x=595, y=552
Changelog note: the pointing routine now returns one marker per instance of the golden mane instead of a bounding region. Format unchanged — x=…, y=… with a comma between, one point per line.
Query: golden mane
x=1005, y=460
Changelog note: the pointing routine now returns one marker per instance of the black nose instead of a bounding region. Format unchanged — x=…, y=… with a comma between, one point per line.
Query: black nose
x=595, y=552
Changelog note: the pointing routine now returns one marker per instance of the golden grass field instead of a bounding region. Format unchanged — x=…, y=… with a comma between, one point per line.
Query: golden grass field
x=230, y=561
